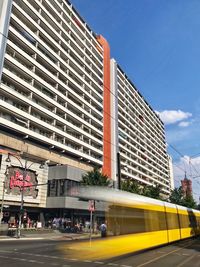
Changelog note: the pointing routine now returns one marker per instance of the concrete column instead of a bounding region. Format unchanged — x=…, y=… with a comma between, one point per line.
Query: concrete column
x=5, y=12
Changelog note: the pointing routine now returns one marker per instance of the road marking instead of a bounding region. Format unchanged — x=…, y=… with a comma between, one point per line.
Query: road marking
x=155, y=259
x=113, y=264
x=6, y=257
x=7, y=251
x=99, y=262
x=186, y=260
x=19, y=259
x=37, y=255
x=87, y=261
x=125, y=266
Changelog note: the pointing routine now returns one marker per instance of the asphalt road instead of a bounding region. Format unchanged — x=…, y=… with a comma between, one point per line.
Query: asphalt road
x=33, y=253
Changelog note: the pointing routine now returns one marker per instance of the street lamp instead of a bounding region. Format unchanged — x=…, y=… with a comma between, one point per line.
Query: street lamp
x=24, y=174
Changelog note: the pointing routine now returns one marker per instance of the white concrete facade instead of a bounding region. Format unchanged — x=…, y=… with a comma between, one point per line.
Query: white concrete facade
x=142, y=145
x=51, y=86
x=51, y=99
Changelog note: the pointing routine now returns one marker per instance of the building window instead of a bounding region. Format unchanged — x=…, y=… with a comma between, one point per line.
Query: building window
x=61, y=187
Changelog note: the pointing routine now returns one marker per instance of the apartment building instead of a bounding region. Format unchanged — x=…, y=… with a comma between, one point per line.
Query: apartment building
x=141, y=135
x=64, y=102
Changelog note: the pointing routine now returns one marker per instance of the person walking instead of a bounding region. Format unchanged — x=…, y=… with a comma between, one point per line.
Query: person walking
x=103, y=230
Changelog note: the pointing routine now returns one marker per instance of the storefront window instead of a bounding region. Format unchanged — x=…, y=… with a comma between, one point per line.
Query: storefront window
x=61, y=187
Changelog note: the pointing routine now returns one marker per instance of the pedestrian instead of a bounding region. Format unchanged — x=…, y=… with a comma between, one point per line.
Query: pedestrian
x=103, y=230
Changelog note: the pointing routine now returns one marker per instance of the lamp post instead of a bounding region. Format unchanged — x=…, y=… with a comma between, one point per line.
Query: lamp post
x=22, y=200
x=2, y=203
x=22, y=187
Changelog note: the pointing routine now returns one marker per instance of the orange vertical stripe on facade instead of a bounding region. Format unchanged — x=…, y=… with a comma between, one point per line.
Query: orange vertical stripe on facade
x=106, y=107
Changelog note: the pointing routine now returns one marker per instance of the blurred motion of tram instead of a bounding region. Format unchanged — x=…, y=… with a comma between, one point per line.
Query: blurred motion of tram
x=136, y=222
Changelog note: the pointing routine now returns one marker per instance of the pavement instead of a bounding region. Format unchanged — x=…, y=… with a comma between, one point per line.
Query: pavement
x=45, y=234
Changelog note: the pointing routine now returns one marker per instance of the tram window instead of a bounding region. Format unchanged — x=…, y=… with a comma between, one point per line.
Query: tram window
x=125, y=220
x=184, y=222
x=155, y=220
x=187, y=220
x=172, y=221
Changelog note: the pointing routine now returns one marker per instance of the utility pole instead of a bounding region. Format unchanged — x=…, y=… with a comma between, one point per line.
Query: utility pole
x=2, y=203
x=22, y=200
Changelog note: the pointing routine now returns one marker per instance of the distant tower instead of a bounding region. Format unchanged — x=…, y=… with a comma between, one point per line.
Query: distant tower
x=187, y=186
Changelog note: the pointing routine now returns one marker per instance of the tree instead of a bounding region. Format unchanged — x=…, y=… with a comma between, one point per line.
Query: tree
x=177, y=196
x=131, y=186
x=189, y=202
x=198, y=207
x=95, y=177
x=152, y=191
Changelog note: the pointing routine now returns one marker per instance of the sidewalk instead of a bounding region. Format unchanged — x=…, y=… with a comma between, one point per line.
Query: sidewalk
x=53, y=235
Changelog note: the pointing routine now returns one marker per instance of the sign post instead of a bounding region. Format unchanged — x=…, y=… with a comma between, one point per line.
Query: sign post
x=91, y=209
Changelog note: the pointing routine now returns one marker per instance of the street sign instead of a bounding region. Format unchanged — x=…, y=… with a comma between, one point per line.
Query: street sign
x=91, y=205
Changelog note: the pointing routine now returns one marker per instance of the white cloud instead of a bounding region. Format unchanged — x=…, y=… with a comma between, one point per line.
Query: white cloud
x=173, y=116
x=184, y=123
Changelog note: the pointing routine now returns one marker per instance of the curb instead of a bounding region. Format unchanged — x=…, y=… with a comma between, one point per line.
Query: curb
x=49, y=236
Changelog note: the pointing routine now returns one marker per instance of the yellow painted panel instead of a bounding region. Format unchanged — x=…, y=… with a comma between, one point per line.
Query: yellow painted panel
x=114, y=246
x=173, y=235
x=187, y=232
x=183, y=212
x=171, y=210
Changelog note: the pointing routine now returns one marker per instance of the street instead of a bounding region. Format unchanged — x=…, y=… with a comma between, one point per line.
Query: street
x=25, y=253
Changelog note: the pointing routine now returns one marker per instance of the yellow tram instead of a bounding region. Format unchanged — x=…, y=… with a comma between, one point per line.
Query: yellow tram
x=136, y=223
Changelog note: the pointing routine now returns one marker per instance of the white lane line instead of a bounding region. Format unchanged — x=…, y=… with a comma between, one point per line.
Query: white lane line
x=19, y=259
x=6, y=251
x=125, y=266
x=113, y=264
x=99, y=262
x=87, y=261
x=73, y=259
x=37, y=255
x=6, y=257
x=162, y=256
x=186, y=260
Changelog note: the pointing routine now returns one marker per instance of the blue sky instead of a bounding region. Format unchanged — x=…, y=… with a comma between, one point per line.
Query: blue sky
x=157, y=44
